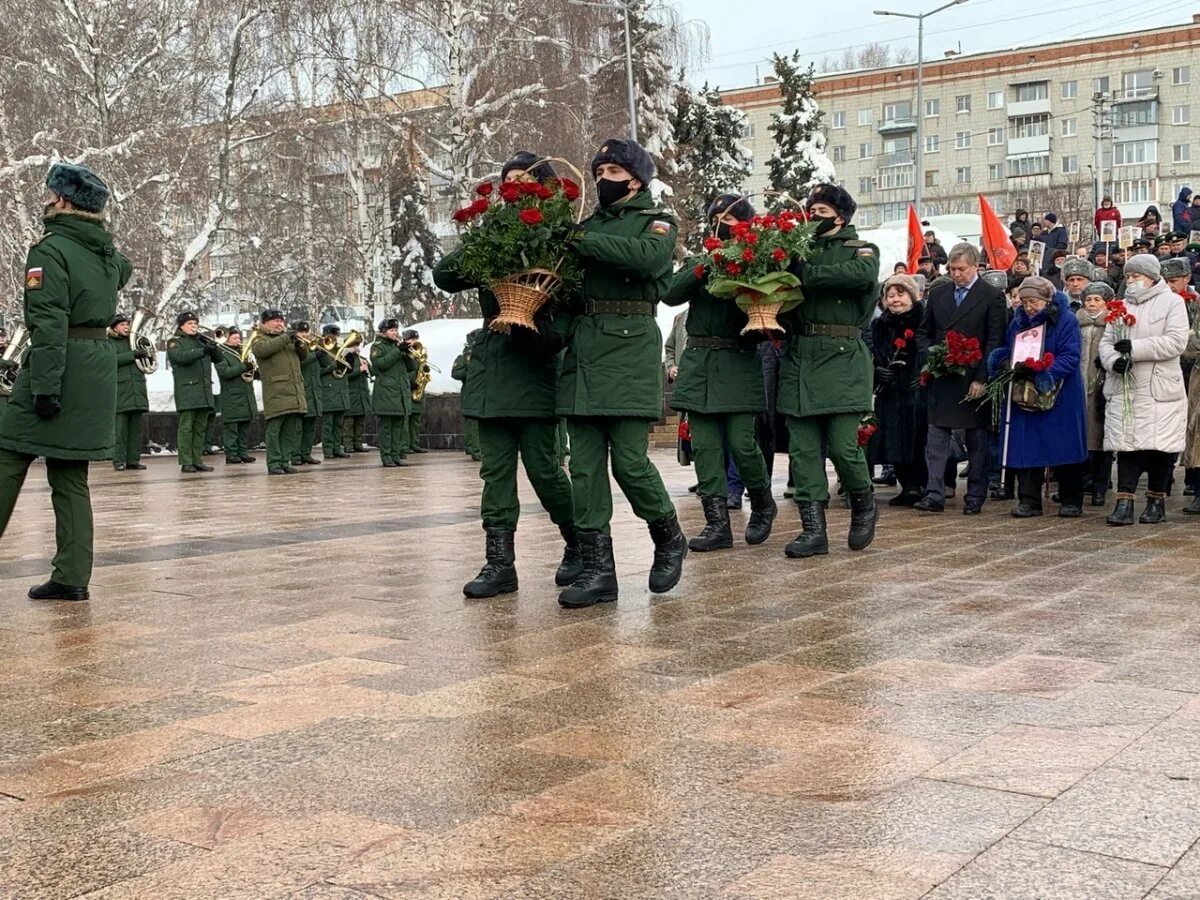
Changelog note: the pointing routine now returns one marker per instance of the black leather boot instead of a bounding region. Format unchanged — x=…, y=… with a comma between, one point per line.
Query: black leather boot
x=572, y=559
x=597, y=583
x=1156, y=509
x=52, y=590
x=670, y=547
x=1122, y=513
x=1194, y=509
x=863, y=515
x=762, y=514
x=498, y=575
x=814, y=539
x=716, y=534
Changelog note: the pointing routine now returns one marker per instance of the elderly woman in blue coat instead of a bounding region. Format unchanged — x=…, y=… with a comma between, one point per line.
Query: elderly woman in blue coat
x=1056, y=437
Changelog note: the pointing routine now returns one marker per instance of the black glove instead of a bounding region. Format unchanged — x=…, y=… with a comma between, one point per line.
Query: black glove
x=575, y=235
x=1099, y=365
x=9, y=364
x=46, y=406
x=884, y=375
x=214, y=352
x=797, y=267
x=1122, y=365
x=1125, y=345
x=141, y=354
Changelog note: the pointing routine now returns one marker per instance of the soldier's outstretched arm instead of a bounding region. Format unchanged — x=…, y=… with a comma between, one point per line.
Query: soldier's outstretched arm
x=446, y=276
x=858, y=273
x=685, y=284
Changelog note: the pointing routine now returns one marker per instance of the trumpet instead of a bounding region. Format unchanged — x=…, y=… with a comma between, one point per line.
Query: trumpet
x=310, y=341
x=15, y=350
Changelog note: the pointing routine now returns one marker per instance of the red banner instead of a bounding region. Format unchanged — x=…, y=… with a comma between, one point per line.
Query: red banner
x=916, y=240
x=997, y=244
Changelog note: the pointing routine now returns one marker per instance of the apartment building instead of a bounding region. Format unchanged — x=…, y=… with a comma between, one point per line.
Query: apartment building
x=1037, y=127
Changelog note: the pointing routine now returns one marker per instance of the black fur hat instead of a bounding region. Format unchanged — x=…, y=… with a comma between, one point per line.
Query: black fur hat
x=269, y=314
x=410, y=334
x=523, y=160
x=388, y=325
x=629, y=155
x=84, y=188
x=836, y=196
x=186, y=316
x=300, y=326
x=734, y=204
x=331, y=329
x=117, y=320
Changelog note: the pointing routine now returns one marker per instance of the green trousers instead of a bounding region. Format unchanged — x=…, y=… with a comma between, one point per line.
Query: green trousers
x=471, y=436
x=596, y=439
x=308, y=437
x=413, y=440
x=353, y=430
x=210, y=429
x=393, y=431
x=500, y=442
x=561, y=442
x=839, y=435
x=189, y=442
x=708, y=452
x=283, y=440
x=236, y=437
x=72, y=502
x=331, y=433
x=127, y=446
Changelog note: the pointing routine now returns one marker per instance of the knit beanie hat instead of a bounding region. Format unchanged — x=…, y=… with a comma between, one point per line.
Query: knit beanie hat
x=1037, y=286
x=1099, y=289
x=904, y=282
x=1144, y=264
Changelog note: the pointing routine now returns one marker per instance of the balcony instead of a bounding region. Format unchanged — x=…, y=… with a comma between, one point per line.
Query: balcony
x=1135, y=133
x=1022, y=146
x=1028, y=108
x=1133, y=94
x=898, y=125
x=896, y=177
x=896, y=158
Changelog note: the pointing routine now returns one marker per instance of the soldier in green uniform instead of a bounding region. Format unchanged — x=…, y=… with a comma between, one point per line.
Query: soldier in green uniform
x=279, y=357
x=611, y=384
x=359, y=387
x=412, y=442
x=335, y=400
x=825, y=378
x=238, y=406
x=393, y=366
x=132, y=402
x=312, y=366
x=720, y=386
x=458, y=372
x=191, y=358
x=63, y=403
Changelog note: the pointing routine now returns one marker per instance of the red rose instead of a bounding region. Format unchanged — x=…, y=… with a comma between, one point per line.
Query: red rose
x=1048, y=360
x=751, y=238
x=570, y=189
x=779, y=254
x=542, y=192
x=741, y=229
x=769, y=221
x=1130, y=320
x=698, y=271
x=484, y=189
x=712, y=243
x=747, y=254
x=925, y=379
x=466, y=214
x=530, y=216
x=480, y=206
x=909, y=334
x=529, y=188
x=787, y=226
x=757, y=220
x=898, y=343
x=510, y=191
x=718, y=258
x=733, y=269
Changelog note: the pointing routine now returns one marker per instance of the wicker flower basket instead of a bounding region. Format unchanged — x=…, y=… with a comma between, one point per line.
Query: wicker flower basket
x=762, y=314
x=520, y=296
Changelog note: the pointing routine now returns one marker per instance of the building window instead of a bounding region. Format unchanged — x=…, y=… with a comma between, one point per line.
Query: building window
x=1030, y=126
x=893, y=112
x=866, y=117
x=864, y=150
x=865, y=218
x=1137, y=84
x=932, y=108
x=1069, y=90
x=995, y=99
x=1135, y=191
x=962, y=103
x=931, y=178
x=1181, y=115
x=1181, y=153
x=865, y=185
x=962, y=175
x=1070, y=164
x=1070, y=127
x=995, y=171
x=1181, y=75
x=1031, y=164
x=1128, y=115
x=1032, y=90
x=748, y=130
x=1100, y=85
x=995, y=137
x=932, y=143
x=839, y=120
x=839, y=153
x=1132, y=153
x=962, y=140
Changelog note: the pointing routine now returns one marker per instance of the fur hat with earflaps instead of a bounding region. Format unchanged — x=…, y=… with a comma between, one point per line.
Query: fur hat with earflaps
x=834, y=195
x=629, y=155
x=80, y=185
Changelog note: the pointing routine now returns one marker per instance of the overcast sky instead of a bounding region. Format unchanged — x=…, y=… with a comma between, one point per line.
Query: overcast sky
x=744, y=33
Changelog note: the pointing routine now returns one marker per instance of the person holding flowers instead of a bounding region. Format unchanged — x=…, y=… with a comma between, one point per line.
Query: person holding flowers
x=1091, y=326
x=510, y=386
x=1049, y=430
x=1145, y=420
x=825, y=385
x=719, y=385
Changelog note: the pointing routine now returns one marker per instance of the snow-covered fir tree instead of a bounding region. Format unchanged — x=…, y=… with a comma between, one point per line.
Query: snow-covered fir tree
x=799, y=161
x=709, y=156
x=415, y=251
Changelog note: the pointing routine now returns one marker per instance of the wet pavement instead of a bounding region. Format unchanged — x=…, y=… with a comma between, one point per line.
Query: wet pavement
x=278, y=691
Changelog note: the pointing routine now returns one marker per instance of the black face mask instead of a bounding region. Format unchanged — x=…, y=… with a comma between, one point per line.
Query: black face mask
x=723, y=231
x=610, y=192
x=825, y=223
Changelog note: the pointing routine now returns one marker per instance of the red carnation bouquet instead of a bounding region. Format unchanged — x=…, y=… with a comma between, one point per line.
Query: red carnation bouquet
x=1121, y=321
x=515, y=241
x=751, y=268
x=953, y=356
x=867, y=427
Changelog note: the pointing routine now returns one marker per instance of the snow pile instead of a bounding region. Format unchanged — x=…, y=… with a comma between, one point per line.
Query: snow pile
x=893, y=245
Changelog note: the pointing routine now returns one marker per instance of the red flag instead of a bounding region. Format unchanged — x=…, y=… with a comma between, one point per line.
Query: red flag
x=916, y=240
x=997, y=244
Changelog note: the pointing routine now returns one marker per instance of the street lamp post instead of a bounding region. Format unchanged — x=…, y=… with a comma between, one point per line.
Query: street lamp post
x=631, y=88
x=918, y=150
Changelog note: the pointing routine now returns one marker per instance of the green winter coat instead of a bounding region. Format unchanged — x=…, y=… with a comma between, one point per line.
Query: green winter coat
x=313, y=366
x=237, y=396
x=279, y=359
x=458, y=371
x=711, y=380
x=613, y=363
x=359, y=389
x=72, y=276
x=335, y=392
x=506, y=375
x=191, y=367
x=819, y=375
x=393, y=367
x=131, y=383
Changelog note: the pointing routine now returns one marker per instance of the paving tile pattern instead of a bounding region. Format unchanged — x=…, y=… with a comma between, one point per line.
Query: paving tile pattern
x=280, y=692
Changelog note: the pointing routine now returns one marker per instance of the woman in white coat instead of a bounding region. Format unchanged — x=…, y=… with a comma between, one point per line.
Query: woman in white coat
x=1145, y=362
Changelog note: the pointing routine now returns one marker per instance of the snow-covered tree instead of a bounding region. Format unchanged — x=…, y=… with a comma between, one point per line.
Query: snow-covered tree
x=798, y=161
x=709, y=156
x=415, y=251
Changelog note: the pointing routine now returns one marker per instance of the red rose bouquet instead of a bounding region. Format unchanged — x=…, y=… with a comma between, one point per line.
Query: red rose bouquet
x=953, y=356
x=752, y=267
x=515, y=241
x=1121, y=321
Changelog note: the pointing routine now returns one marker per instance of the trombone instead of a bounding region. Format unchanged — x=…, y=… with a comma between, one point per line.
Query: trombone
x=219, y=337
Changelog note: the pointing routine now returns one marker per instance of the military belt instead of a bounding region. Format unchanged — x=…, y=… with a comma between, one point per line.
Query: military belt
x=618, y=308
x=87, y=334
x=819, y=329
x=713, y=343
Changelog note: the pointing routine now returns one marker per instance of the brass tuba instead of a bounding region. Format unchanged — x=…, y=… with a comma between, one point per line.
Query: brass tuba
x=247, y=354
x=339, y=352
x=139, y=341
x=424, y=376
x=15, y=351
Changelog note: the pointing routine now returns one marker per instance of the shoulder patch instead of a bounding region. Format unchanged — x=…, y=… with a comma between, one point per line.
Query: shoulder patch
x=866, y=250
x=374, y=351
x=172, y=344
x=659, y=226
x=33, y=278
